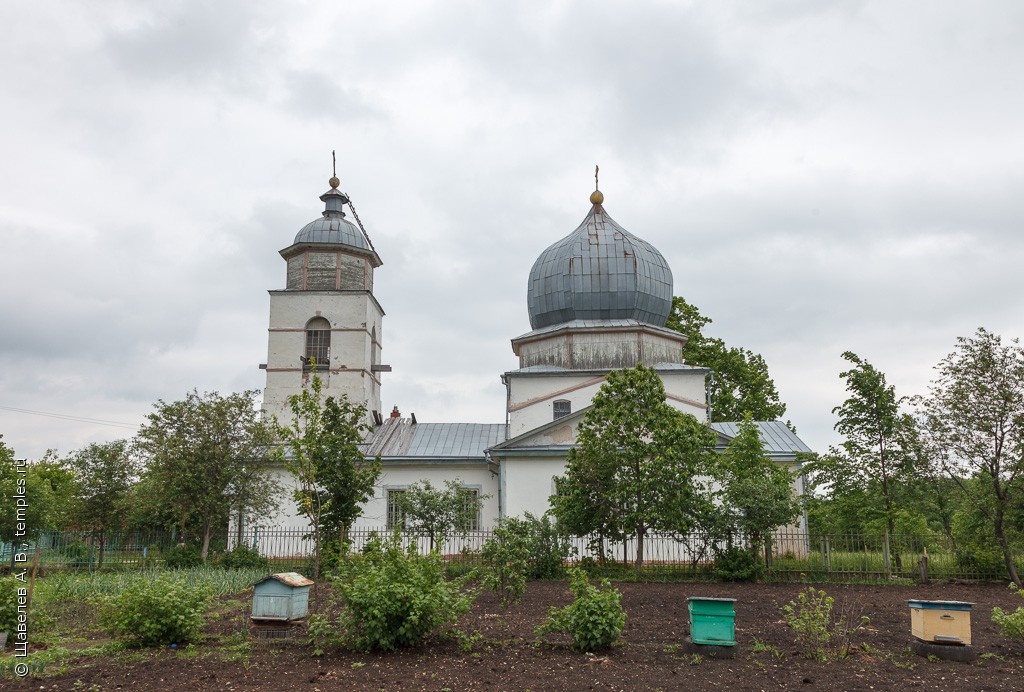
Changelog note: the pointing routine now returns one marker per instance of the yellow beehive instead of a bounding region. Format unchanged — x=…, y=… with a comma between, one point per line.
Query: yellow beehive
x=941, y=622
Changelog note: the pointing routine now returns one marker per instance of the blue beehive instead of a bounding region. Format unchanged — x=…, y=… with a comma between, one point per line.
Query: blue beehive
x=281, y=597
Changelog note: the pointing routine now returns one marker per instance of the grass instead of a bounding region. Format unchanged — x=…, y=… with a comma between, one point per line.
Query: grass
x=62, y=587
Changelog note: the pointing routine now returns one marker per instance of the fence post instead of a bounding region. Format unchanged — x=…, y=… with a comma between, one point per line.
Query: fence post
x=922, y=566
x=885, y=554
x=828, y=556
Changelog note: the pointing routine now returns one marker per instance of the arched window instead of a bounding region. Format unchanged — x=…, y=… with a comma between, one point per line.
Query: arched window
x=561, y=408
x=318, y=344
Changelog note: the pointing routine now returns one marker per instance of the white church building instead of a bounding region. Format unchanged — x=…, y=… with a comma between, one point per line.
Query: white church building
x=598, y=300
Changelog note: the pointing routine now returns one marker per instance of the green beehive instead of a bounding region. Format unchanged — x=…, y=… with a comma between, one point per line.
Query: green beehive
x=281, y=597
x=712, y=621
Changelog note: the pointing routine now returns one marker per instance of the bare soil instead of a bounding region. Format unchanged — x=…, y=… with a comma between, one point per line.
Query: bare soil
x=650, y=657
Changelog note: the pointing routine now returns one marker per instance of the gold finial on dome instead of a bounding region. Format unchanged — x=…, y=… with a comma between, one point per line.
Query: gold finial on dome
x=334, y=182
x=596, y=197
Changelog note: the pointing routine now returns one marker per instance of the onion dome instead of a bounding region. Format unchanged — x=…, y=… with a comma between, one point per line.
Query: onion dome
x=333, y=228
x=600, y=271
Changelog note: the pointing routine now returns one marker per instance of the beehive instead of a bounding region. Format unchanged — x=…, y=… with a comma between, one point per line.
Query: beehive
x=941, y=622
x=281, y=597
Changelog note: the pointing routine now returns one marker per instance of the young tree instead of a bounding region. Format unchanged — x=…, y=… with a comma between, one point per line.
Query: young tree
x=30, y=504
x=877, y=459
x=439, y=513
x=757, y=493
x=104, y=474
x=973, y=418
x=637, y=455
x=207, y=453
x=321, y=450
x=741, y=382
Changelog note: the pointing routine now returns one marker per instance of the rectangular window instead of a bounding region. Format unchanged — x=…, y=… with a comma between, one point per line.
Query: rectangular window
x=395, y=518
x=562, y=408
x=471, y=520
x=318, y=347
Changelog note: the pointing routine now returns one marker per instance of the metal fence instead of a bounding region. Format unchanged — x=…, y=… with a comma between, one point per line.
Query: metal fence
x=791, y=556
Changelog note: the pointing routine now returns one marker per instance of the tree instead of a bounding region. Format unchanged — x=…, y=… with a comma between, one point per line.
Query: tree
x=877, y=459
x=208, y=455
x=740, y=383
x=973, y=418
x=635, y=462
x=104, y=475
x=321, y=450
x=437, y=513
x=757, y=493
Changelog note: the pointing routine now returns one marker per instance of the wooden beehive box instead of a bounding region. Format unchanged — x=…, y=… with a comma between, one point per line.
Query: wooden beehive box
x=281, y=597
x=941, y=622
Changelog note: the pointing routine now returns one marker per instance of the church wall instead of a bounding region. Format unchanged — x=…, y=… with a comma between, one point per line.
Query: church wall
x=398, y=477
x=527, y=483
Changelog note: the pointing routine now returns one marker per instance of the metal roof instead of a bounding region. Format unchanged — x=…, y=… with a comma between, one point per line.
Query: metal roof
x=400, y=437
x=611, y=324
x=776, y=437
x=600, y=271
x=333, y=228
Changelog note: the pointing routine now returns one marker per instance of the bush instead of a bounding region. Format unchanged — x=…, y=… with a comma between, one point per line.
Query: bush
x=594, y=619
x=244, y=557
x=738, y=564
x=182, y=557
x=549, y=548
x=810, y=616
x=151, y=612
x=1010, y=624
x=506, y=560
x=9, y=606
x=393, y=597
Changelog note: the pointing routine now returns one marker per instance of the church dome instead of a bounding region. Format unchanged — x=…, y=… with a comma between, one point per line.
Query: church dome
x=600, y=271
x=333, y=228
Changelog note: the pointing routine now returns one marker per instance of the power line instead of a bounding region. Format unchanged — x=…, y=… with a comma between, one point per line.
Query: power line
x=77, y=419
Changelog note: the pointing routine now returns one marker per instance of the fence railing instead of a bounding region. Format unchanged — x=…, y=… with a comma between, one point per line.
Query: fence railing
x=792, y=554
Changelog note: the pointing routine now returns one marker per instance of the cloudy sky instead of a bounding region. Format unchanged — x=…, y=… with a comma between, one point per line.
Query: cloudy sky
x=820, y=176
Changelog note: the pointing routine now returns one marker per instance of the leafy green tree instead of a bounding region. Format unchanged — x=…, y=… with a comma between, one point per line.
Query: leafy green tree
x=29, y=504
x=757, y=493
x=741, y=382
x=104, y=474
x=207, y=455
x=876, y=462
x=439, y=513
x=321, y=450
x=973, y=419
x=635, y=463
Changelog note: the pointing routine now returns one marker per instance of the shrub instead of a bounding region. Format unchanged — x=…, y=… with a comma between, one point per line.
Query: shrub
x=1010, y=624
x=150, y=612
x=9, y=606
x=244, y=557
x=183, y=556
x=594, y=619
x=738, y=564
x=393, y=597
x=506, y=560
x=549, y=548
x=810, y=616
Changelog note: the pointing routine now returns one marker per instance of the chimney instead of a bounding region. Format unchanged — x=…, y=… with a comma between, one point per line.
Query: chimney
x=395, y=413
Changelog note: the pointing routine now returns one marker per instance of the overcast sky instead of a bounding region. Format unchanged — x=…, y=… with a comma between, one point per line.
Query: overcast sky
x=820, y=177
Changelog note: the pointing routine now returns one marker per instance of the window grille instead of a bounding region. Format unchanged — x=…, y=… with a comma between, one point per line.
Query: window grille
x=395, y=518
x=562, y=408
x=471, y=520
x=318, y=343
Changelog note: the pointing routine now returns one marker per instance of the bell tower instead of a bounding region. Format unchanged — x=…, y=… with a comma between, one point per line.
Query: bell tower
x=326, y=320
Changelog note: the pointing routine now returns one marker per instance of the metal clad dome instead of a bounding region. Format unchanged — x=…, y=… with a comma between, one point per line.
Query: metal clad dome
x=600, y=271
x=333, y=228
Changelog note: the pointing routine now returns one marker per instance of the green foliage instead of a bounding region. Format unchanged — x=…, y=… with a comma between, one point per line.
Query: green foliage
x=244, y=557
x=810, y=616
x=506, y=559
x=208, y=455
x=973, y=420
x=757, y=493
x=1011, y=624
x=9, y=605
x=439, y=513
x=741, y=382
x=738, y=564
x=182, y=557
x=321, y=450
x=163, y=610
x=66, y=587
x=44, y=482
x=394, y=597
x=104, y=474
x=635, y=465
x=321, y=633
x=594, y=619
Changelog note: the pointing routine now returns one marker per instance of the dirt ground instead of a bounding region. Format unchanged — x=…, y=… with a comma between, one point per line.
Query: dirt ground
x=650, y=657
